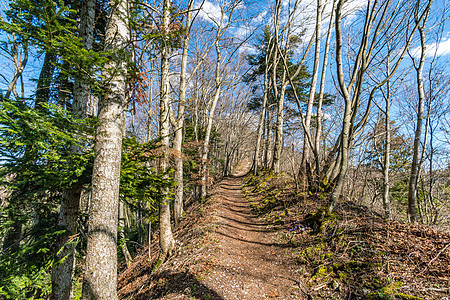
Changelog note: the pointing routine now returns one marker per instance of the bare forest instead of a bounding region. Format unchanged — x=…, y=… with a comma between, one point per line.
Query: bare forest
x=225, y=149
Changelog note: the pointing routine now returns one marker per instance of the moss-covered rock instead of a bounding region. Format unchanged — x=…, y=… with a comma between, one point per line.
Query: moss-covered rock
x=319, y=220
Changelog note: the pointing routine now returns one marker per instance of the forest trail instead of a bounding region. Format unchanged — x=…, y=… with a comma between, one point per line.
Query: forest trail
x=252, y=263
x=225, y=251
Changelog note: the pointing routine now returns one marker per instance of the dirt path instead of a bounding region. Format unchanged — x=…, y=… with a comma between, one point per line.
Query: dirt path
x=253, y=264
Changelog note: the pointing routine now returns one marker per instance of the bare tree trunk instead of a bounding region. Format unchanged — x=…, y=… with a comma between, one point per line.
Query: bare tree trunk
x=278, y=96
x=312, y=94
x=263, y=111
x=267, y=154
x=387, y=155
x=345, y=133
x=321, y=94
x=19, y=65
x=100, y=274
x=123, y=245
x=196, y=114
x=166, y=240
x=178, y=140
x=63, y=270
x=210, y=121
x=412, y=191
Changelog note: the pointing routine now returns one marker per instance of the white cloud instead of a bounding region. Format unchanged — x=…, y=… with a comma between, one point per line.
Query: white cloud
x=210, y=12
x=242, y=32
x=259, y=18
x=438, y=49
x=350, y=9
x=247, y=49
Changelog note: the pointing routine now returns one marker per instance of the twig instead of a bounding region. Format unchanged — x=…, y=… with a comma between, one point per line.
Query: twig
x=431, y=261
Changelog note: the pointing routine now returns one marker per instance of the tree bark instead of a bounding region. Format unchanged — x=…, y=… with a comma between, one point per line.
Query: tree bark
x=86, y=32
x=45, y=79
x=278, y=143
x=387, y=153
x=312, y=93
x=263, y=111
x=412, y=190
x=413, y=178
x=166, y=240
x=100, y=274
x=178, y=140
x=210, y=122
x=321, y=94
x=63, y=270
x=345, y=133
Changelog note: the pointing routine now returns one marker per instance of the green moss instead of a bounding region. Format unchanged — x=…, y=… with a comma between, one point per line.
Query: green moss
x=407, y=297
x=321, y=272
x=342, y=276
x=319, y=220
x=389, y=293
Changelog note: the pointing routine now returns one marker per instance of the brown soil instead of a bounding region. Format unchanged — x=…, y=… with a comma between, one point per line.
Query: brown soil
x=252, y=263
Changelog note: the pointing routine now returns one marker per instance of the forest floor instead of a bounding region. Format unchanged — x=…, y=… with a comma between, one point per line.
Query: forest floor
x=255, y=239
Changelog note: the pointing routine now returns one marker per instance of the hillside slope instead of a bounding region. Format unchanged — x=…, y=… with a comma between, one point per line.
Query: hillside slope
x=226, y=250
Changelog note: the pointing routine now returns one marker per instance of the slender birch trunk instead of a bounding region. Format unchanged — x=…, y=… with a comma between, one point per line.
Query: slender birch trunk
x=413, y=178
x=178, y=140
x=263, y=111
x=312, y=93
x=210, y=120
x=321, y=94
x=166, y=240
x=387, y=153
x=100, y=274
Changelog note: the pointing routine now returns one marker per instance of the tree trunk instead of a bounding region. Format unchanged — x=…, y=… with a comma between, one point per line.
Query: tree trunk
x=413, y=178
x=267, y=154
x=263, y=115
x=63, y=271
x=64, y=268
x=178, y=140
x=210, y=122
x=45, y=79
x=86, y=32
x=346, y=127
x=278, y=96
x=100, y=274
x=387, y=153
x=123, y=245
x=166, y=240
x=278, y=144
x=19, y=65
x=320, y=100
x=304, y=172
